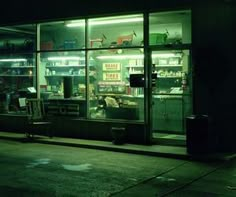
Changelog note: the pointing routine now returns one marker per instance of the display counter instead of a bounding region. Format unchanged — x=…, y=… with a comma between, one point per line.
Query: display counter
x=167, y=112
x=123, y=112
x=66, y=107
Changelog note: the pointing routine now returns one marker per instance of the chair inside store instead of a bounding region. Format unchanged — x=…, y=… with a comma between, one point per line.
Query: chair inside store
x=37, y=119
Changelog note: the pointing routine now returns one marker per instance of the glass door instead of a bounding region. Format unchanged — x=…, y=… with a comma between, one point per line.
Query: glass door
x=170, y=40
x=171, y=95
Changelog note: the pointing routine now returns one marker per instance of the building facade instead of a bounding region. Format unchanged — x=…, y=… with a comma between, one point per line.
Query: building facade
x=145, y=69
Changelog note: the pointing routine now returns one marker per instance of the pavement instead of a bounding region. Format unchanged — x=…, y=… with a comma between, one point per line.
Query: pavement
x=44, y=168
x=168, y=151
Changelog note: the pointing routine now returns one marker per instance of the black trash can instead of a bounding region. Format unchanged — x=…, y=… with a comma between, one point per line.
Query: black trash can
x=118, y=135
x=197, y=134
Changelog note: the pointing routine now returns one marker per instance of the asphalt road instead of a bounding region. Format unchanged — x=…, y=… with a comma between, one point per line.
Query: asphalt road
x=33, y=169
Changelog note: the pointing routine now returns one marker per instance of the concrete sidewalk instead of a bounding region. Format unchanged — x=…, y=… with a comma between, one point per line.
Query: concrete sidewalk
x=177, y=152
x=191, y=179
x=42, y=169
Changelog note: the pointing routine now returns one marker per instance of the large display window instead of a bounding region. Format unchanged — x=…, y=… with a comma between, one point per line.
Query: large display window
x=116, y=52
x=18, y=38
x=170, y=28
x=95, y=68
x=115, y=32
x=17, y=67
x=62, y=35
x=112, y=88
x=62, y=76
x=62, y=72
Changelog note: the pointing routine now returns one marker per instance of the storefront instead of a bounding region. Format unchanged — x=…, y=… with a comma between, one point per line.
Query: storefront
x=132, y=71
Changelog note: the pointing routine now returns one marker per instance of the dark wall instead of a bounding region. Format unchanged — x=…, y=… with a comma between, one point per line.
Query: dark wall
x=29, y=11
x=214, y=69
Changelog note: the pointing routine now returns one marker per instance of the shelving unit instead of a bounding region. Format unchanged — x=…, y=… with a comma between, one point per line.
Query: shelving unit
x=60, y=71
x=56, y=68
x=134, y=69
x=17, y=73
x=170, y=73
x=168, y=110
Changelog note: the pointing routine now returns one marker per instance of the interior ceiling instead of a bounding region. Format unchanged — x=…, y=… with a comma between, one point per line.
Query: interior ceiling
x=169, y=17
x=159, y=18
x=17, y=31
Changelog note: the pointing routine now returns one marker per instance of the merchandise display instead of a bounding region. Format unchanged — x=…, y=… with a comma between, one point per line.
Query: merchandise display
x=17, y=65
x=16, y=75
x=96, y=68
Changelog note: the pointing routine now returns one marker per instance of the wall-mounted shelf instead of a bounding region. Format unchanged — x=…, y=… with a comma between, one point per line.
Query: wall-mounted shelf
x=166, y=77
x=135, y=66
x=17, y=75
x=23, y=67
x=68, y=75
x=169, y=65
x=66, y=66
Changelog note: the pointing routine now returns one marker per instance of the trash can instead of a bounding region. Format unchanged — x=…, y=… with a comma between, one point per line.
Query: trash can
x=197, y=134
x=118, y=135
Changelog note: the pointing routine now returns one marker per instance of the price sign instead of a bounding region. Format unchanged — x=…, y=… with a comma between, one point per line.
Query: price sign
x=111, y=76
x=111, y=66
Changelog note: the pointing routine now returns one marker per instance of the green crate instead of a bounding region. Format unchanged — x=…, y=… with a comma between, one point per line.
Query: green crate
x=157, y=38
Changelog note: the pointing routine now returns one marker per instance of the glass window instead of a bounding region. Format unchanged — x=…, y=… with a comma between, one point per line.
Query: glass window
x=62, y=35
x=62, y=81
x=113, y=96
x=172, y=93
x=170, y=28
x=172, y=68
x=19, y=38
x=117, y=31
x=17, y=81
x=17, y=67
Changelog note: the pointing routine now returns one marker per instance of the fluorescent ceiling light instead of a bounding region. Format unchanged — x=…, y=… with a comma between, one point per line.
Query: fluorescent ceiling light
x=118, y=57
x=116, y=21
x=63, y=58
x=140, y=56
x=13, y=60
x=75, y=24
x=105, y=21
x=166, y=55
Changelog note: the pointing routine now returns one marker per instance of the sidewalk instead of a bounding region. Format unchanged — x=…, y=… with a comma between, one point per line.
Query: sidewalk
x=176, y=152
x=191, y=179
x=34, y=169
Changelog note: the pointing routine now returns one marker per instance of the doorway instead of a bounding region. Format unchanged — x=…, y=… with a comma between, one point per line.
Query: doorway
x=171, y=96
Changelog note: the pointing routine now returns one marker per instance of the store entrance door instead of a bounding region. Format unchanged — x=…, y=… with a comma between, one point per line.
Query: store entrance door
x=171, y=96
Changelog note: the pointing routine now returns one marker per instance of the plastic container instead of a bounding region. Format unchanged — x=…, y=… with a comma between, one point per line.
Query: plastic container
x=158, y=38
x=197, y=134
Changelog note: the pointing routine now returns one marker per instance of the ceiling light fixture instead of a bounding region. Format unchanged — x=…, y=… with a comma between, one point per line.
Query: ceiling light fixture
x=63, y=58
x=13, y=60
x=104, y=21
x=118, y=57
x=140, y=56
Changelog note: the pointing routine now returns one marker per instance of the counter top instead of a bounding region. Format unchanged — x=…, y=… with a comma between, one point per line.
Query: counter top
x=173, y=96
